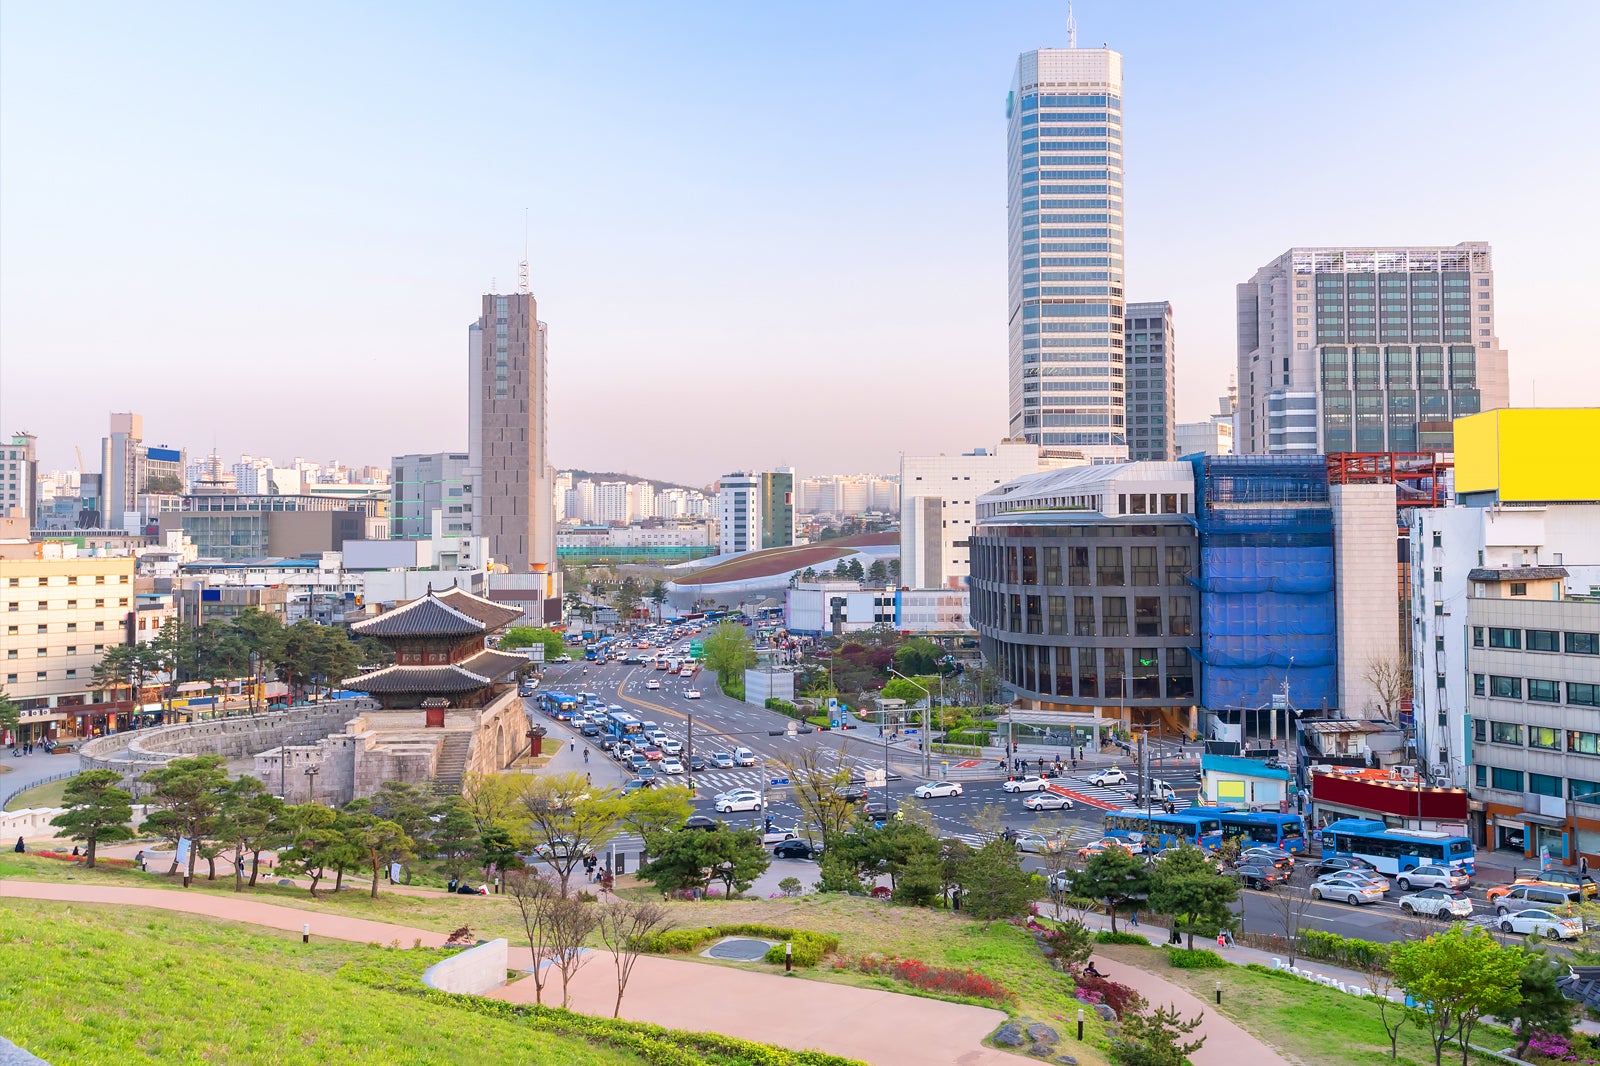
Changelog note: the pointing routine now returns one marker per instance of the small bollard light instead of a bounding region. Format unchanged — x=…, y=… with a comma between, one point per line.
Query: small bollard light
x=788, y=957
x=1219, y=993
x=1080, y=1023
x=305, y=933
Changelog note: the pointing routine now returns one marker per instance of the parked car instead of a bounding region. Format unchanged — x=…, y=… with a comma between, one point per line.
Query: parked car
x=1539, y=922
x=1111, y=775
x=795, y=849
x=1338, y=864
x=1349, y=889
x=1553, y=897
x=1557, y=876
x=743, y=799
x=1048, y=801
x=1371, y=877
x=1432, y=877
x=936, y=788
x=1030, y=783
x=1259, y=875
x=1437, y=903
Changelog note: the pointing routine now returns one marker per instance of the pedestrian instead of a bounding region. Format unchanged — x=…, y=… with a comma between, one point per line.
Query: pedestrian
x=588, y=777
x=573, y=744
x=586, y=756
x=21, y=847
x=1133, y=917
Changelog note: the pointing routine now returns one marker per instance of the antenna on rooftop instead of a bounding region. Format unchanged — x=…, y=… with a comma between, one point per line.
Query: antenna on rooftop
x=1072, y=27
x=522, y=268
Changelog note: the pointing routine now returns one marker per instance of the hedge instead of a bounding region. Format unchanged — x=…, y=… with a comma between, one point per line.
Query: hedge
x=1345, y=951
x=970, y=737
x=782, y=707
x=809, y=948
x=1195, y=959
x=1105, y=936
x=957, y=749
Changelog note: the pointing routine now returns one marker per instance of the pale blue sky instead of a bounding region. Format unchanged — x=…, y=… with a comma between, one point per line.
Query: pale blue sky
x=777, y=230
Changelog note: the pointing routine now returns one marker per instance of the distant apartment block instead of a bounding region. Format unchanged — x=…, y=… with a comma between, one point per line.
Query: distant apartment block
x=1367, y=349
x=1151, y=390
x=421, y=484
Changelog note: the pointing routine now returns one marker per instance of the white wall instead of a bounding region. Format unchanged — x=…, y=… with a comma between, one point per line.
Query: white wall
x=1365, y=593
x=958, y=481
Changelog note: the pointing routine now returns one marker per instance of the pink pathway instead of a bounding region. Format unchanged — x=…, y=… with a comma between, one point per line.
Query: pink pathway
x=1226, y=1044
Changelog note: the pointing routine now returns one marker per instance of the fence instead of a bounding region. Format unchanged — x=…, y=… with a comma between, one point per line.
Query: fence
x=7, y=797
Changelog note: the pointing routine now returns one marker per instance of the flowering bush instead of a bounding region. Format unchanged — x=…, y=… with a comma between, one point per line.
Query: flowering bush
x=1553, y=1047
x=1119, y=997
x=99, y=861
x=919, y=974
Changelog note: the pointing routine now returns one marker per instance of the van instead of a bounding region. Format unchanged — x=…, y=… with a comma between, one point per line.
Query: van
x=1552, y=897
x=1161, y=790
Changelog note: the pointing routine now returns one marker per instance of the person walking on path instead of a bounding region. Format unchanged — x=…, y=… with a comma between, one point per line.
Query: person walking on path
x=586, y=756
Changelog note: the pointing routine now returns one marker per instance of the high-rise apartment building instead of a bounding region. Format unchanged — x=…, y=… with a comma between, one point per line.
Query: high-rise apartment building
x=1065, y=223
x=19, y=476
x=424, y=483
x=738, y=513
x=611, y=502
x=1367, y=349
x=508, y=433
x=120, y=467
x=777, y=508
x=1151, y=394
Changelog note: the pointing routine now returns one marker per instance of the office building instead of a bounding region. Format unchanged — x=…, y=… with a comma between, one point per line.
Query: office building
x=61, y=614
x=1210, y=437
x=938, y=508
x=1528, y=495
x=19, y=477
x=1367, y=349
x=509, y=459
x=421, y=484
x=1151, y=390
x=738, y=513
x=1065, y=225
x=777, y=508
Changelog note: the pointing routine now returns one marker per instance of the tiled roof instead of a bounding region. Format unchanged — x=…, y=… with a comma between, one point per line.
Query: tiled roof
x=491, y=614
x=493, y=664
x=425, y=616
x=1517, y=573
x=417, y=679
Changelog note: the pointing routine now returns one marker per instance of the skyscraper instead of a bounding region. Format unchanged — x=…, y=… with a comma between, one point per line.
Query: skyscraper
x=510, y=460
x=1151, y=390
x=1064, y=197
x=1367, y=349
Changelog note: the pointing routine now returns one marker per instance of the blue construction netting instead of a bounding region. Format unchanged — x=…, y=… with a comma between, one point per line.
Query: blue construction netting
x=1266, y=581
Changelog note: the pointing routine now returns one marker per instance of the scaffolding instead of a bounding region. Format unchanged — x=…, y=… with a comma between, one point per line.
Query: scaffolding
x=1266, y=581
x=1420, y=479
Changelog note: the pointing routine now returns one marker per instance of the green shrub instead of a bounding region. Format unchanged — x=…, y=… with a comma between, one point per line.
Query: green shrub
x=733, y=687
x=957, y=749
x=1345, y=951
x=1105, y=936
x=969, y=737
x=1195, y=959
x=809, y=948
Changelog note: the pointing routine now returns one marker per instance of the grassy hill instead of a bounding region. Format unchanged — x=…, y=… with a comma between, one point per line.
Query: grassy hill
x=94, y=984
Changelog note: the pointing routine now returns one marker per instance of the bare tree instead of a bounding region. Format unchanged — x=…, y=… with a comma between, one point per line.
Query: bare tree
x=566, y=822
x=816, y=792
x=570, y=921
x=624, y=927
x=1291, y=905
x=988, y=821
x=1391, y=683
x=535, y=899
x=1391, y=1015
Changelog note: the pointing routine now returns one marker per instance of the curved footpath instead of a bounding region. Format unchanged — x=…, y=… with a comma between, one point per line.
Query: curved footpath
x=879, y=1027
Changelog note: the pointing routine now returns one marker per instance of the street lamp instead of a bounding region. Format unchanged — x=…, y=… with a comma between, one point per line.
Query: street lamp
x=927, y=706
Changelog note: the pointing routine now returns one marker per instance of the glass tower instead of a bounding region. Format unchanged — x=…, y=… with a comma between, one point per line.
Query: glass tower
x=1064, y=197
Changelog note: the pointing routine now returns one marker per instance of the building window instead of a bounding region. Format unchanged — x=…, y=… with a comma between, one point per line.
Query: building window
x=11, y=679
x=1583, y=694
x=72, y=673
x=1178, y=619
x=1543, y=639
x=1540, y=736
x=1583, y=743
x=1582, y=791
x=1481, y=776
x=1052, y=566
x=1544, y=691
x=1505, y=638
x=1519, y=588
x=1508, y=780
x=1078, y=566
x=1478, y=684
x=1144, y=572
x=1088, y=674
x=1114, y=616
x=1505, y=688
x=1506, y=733
x=1147, y=616
x=1477, y=636
x=1177, y=564
x=1480, y=731
x=1083, y=616
x=1544, y=785
x=1108, y=567
x=1583, y=643
x=1058, y=614
x=1438, y=540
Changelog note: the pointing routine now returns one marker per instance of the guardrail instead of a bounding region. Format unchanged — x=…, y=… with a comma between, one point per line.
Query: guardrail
x=7, y=797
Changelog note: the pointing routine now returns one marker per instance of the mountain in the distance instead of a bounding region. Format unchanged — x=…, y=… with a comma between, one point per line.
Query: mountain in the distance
x=611, y=475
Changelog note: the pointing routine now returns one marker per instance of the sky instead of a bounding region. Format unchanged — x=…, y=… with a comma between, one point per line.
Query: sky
x=761, y=234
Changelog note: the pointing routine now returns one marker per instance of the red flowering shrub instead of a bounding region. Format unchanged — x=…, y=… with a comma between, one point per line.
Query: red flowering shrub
x=919, y=974
x=99, y=861
x=1119, y=997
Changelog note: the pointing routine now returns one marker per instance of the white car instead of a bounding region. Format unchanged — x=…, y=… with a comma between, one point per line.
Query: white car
x=1537, y=921
x=1025, y=784
x=670, y=746
x=692, y=694
x=659, y=737
x=1438, y=902
x=1038, y=843
x=740, y=799
x=936, y=788
x=1111, y=775
x=1432, y=877
x=776, y=834
x=744, y=757
x=671, y=765
x=1349, y=889
x=652, y=684
x=1048, y=801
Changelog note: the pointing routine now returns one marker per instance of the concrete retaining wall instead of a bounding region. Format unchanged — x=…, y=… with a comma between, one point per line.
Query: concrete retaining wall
x=33, y=823
x=471, y=972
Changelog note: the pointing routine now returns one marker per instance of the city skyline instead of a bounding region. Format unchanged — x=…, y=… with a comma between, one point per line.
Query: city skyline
x=230, y=234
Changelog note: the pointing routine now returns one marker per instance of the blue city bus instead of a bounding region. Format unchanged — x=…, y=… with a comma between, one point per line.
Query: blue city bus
x=1392, y=851
x=1197, y=826
x=622, y=725
x=559, y=705
x=1264, y=829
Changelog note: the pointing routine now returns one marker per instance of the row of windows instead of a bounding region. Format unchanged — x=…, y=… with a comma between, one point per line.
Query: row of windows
x=1018, y=613
x=42, y=675
x=1545, y=738
x=71, y=579
x=1098, y=673
x=70, y=627
x=1512, y=781
x=1536, y=639
x=72, y=605
x=1538, y=689
x=1030, y=565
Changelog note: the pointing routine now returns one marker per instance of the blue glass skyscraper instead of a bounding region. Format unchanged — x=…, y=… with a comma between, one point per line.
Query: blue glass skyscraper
x=1064, y=172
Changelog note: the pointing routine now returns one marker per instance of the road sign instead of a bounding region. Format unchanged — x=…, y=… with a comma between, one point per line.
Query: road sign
x=793, y=727
x=778, y=782
x=875, y=778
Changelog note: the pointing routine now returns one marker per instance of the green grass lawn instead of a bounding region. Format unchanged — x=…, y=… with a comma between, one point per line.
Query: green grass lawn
x=1305, y=1021
x=98, y=984
x=46, y=795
